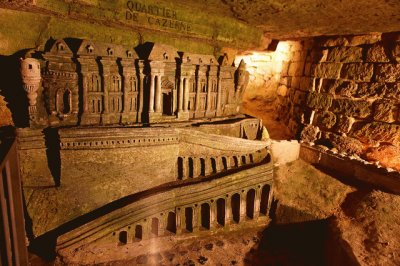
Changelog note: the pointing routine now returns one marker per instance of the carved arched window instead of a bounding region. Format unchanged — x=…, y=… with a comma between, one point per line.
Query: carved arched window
x=132, y=84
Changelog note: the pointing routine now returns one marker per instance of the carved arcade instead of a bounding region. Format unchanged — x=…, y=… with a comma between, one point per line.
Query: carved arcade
x=102, y=84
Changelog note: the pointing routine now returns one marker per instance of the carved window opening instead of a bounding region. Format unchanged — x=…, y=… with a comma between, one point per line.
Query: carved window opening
x=30, y=66
x=154, y=226
x=89, y=49
x=165, y=55
x=63, y=101
x=221, y=211
x=264, y=199
x=189, y=219
x=225, y=163
x=235, y=204
x=138, y=232
x=214, y=165
x=250, y=198
x=202, y=167
x=171, y=222
x=243, y=159
x=235, y=161
x=191, y=169
x=110, y=51
x=123, y=237
x=60, y=47
x=180, y=168
x=192, y=85
x=205, y=215
x=129, y=53
x=251, y=158
x=116, y=84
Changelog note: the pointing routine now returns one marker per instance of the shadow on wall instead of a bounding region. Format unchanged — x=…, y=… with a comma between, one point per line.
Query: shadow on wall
x=11, y=88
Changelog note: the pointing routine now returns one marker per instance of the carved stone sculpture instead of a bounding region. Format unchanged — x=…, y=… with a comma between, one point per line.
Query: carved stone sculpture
x=30, y=74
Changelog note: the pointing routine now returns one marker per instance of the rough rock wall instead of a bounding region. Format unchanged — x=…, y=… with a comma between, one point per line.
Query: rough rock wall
x=343, y=93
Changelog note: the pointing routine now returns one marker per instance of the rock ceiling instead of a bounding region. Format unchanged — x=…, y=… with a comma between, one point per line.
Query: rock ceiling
x=303, y=18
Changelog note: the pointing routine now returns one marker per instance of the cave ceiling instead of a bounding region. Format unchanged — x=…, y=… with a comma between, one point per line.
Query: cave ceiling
x=304, y=18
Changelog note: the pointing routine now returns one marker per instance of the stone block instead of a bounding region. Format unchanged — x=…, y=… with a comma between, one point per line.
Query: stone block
x=396, y=52
x=339, y=87
x=296, y=68
x=346, y=144
x=327, y=70
x=392, y=91
x=354, y=108
x=344, y=124
x=295, y=82
x=385, y=111
x=338, y=164
x=309, y=154
x=357, y=71
x=333, y=41
x=319, y=100
x=364, y=39
x=307, y=69
x=370, y=89
x=345, y=54
x=377, y=53
x=376, y=132
x=306, y=84
x=324, y=120
x=387, y=72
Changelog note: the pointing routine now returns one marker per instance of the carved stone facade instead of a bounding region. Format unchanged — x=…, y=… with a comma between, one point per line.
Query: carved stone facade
x=88, y=83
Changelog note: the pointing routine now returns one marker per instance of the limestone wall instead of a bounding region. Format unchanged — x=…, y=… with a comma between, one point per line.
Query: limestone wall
x=343, y=93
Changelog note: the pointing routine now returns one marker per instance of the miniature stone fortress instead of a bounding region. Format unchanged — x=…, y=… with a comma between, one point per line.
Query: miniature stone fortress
x=130, y=144
x=110, y=84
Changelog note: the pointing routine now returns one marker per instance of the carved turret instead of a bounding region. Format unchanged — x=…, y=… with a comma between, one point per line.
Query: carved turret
x=30, y=75
x=242, y=79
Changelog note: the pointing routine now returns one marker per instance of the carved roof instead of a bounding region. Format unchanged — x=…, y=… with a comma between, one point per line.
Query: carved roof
x=162, y=52
x=60, y=47
x=104, y=49
x=199, y=59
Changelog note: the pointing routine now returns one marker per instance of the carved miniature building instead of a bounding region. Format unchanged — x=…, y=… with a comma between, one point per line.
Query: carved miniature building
x=138, y=143
x=101, y=84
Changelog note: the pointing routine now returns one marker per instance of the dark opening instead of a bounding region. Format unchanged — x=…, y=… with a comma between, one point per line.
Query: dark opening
x=250, y=203
x=264, y=200
x=180, y=168
x=154, y=226
x=214, y=165
x=171, y=222
x=191, y=168
x=243, y=159
x=123, y=237
x=251, y=158
x=235, y=161
x=205, y=215
x=221, y=211
x=167, y=103
x=203, y=166
x=138, y=232
x=235, y=204
x=66, y=102
x=189, y=219
x=224, y=163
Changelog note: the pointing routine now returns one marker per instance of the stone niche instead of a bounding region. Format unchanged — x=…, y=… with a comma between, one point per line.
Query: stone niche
x=115, y=131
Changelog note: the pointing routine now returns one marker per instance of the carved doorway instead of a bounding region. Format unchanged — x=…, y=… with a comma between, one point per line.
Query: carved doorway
x=167, y=88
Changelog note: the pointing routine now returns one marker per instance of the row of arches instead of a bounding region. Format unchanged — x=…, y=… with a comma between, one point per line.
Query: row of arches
x=192, y=167
x=206, y=215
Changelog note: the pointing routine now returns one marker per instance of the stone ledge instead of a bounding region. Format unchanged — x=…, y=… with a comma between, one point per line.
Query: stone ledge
x=352, y=168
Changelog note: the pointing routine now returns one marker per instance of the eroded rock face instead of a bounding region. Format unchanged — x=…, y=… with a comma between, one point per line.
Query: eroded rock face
x=387, y=155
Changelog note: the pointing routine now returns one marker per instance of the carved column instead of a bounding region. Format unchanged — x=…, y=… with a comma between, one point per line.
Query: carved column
x=242, y=206
x=196, y=167
x=228, y=211
x=208, y=166
x=228, y=162
x=84, y=96
x=208, y=99
x=141, y=95
x=218, y=164
x=186, y=95
x=158, y=94
x=219, y=92
x=180, y=220
x=151, y=98
x=162, y=224
x=185, y=168
x=196, y=218
x=180, y=101
x=213, y=214
x=257, y=201
x=198, y=91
